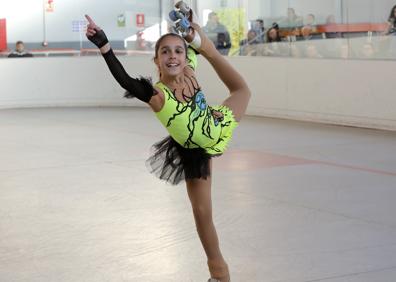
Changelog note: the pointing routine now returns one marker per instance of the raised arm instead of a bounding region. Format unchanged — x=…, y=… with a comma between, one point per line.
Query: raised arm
x=140, y=88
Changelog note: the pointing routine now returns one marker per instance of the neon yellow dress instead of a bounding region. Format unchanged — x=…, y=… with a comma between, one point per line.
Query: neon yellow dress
x=193, y=123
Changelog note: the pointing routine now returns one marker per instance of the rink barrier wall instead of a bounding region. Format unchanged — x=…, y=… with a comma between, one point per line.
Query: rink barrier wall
x=344, y=92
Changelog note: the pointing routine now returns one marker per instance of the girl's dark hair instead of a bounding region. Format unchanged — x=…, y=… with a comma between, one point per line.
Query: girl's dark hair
x=275, y=25
x=277, y=39
x=158, y=43
x=392, y=13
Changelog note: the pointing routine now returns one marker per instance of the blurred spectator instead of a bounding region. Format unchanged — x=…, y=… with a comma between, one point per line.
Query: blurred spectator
x=218, y=33
x=258, y=27
x=248, y=45
x=223, y=44
x=274, y=46
x=392, y=22
x=311, y=21
x=273, y=34
x=307, y=33
x=19, y=51
x=330, y=20
x=292, y=19
x=251, y=38
x=391, y=30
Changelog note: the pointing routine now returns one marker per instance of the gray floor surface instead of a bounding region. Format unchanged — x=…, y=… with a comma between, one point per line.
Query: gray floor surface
x=293, y=201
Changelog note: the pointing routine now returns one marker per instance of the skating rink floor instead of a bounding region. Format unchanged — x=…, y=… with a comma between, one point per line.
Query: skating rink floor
x=293, y=201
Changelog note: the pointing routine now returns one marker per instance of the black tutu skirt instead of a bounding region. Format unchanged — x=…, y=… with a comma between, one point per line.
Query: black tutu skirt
x=173, y=163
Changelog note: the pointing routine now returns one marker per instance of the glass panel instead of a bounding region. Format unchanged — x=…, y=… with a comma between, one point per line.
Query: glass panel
x=342, y=29
x=224, y=22
x=372, y=38
x=54, y=27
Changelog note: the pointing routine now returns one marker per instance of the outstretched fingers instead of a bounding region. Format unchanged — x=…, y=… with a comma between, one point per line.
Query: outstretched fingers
x=91, y=24
x=92, y=27
x=90, y=20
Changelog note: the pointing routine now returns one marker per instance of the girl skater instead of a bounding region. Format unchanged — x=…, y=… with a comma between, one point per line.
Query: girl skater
x=197, y=131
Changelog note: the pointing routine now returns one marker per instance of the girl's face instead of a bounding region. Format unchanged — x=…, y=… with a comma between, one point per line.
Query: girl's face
x=171, y=56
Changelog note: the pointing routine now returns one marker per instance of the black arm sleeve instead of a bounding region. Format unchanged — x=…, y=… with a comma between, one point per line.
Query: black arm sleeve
x=140, y=88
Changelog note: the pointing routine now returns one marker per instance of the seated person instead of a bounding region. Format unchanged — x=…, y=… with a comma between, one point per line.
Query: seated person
x=273, y=45
x=258, y=27
x=311, y=21
x=273, y=34
x=292, y=20
x=218, y=34
x=252, y=38
x=247, y=46
x=391, y=29
x=223, y=43
x=307, y=33
x=331, y=21
x=19, y=51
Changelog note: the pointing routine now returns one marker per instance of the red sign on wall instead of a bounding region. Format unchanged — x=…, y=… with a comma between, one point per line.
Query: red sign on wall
x=3, y=35
x=49, y=6
x=139, y=20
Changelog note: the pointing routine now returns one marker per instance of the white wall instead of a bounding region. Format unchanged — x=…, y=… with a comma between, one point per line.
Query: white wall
x=64, y=81
x=25, y=18
x=349, y=92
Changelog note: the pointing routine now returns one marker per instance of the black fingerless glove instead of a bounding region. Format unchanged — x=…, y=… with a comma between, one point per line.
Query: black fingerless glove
x=99, y=39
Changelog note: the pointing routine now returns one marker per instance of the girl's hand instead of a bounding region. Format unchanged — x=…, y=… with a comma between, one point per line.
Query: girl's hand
x=206, y=46
x=95, y=34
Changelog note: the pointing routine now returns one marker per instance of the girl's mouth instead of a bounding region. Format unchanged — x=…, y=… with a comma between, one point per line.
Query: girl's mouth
x=170, y=65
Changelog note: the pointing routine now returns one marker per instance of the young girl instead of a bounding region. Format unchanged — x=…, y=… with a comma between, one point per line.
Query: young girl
x=197, y=131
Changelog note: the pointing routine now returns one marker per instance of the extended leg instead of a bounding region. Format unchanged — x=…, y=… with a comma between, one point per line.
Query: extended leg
x=239, y=91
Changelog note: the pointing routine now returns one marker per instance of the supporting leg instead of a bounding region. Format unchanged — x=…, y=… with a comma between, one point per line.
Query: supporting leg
x=199, y=192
